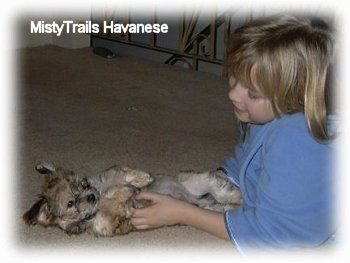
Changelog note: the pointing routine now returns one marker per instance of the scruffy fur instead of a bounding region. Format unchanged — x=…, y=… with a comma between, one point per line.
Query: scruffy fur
x=103, y=204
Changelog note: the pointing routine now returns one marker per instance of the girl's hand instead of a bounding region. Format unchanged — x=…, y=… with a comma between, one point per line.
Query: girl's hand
x=163, y=211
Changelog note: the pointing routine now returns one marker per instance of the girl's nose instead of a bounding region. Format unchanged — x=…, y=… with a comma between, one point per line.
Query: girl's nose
x=231, y=94
x=236, y=94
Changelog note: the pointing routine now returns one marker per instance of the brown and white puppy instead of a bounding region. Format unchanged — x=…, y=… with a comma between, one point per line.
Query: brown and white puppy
x=103, y=204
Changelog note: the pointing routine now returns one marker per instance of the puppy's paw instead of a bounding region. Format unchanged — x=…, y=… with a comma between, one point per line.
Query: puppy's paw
x=75, y=228
x=138, y=178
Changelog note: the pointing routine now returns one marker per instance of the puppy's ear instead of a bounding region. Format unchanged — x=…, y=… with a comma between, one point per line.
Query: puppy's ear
x=52, y=171
x=39, y=213
x=45, y=168
x=52, y=174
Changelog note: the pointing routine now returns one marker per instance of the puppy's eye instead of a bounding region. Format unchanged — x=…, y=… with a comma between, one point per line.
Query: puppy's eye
x=70, y=204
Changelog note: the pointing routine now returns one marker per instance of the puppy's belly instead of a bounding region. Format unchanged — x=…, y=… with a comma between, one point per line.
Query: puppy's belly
x=170, y=186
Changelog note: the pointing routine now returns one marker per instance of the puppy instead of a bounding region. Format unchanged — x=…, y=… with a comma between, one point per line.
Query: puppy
x=103, y=204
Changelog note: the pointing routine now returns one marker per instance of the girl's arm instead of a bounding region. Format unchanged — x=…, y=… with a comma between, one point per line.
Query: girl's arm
x=165, y=210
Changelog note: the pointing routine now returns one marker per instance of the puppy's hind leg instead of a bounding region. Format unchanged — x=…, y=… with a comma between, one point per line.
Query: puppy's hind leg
x=214, y=183
x=195, y=183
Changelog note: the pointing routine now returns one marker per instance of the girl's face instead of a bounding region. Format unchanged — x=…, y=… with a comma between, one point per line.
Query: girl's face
x=249, y=106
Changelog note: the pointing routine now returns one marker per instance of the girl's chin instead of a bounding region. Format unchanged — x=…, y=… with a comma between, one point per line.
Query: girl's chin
x=241, y=115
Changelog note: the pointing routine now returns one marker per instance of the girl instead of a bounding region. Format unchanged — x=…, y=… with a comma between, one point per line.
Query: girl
x=280, y=69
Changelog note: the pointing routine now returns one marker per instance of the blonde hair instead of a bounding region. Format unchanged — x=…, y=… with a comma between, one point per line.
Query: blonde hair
x=287, y=59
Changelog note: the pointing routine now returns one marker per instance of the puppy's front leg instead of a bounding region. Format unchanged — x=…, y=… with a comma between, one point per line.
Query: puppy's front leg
x=77, y=227
x=118, y=175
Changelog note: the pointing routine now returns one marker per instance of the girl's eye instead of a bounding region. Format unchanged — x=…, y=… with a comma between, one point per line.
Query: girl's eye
x=254, y=96
x=232, y=83
x=70, y=204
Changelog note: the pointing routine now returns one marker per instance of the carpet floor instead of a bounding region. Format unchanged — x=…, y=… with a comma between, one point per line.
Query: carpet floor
x=87, y=113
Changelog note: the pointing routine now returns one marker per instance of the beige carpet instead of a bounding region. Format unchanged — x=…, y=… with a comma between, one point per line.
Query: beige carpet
x=87, y=113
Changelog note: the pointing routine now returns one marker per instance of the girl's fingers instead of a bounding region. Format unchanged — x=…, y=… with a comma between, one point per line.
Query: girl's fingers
x=140, y=219
x=147, y=196
x=140, y=213
x=142, y=227
x=140, y=223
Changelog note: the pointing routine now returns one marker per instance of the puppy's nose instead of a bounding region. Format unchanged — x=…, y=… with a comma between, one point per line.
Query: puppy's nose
x=91, y=198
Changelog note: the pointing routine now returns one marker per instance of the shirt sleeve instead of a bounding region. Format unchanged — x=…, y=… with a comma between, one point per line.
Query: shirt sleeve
x=232, y=164
x=292, y=205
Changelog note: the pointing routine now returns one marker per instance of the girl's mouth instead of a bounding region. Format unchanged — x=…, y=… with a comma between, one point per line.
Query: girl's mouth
x=237, y=110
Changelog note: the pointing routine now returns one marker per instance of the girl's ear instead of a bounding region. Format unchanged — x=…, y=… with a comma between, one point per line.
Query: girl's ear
x=39, y=213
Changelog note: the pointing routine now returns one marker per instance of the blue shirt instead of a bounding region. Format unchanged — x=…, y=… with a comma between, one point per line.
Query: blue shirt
x=285, y=177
